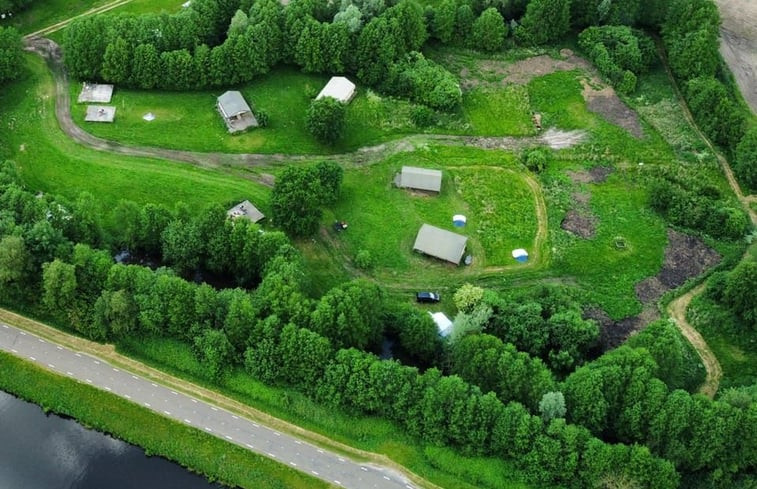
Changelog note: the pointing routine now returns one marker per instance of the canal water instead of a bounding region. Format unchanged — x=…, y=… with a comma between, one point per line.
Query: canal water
x=39, y=451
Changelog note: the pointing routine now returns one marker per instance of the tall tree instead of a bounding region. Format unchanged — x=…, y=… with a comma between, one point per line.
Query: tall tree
x=544, y=21
x=489, y=31
x=10, y=54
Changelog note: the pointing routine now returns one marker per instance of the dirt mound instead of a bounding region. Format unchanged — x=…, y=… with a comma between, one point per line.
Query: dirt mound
x=598, y=174
x=579, y=224
x=606, y=103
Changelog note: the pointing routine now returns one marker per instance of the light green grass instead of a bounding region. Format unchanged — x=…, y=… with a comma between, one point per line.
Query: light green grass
x=158, y=435
x=497, y=112
x=440, y=466
x=48, y=161
x=485, y=186
x=44, y=13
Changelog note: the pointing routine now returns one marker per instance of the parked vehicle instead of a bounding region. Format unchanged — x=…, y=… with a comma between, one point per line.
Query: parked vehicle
x=428, y=297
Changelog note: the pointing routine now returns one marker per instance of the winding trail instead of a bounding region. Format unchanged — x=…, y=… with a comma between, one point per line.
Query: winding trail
x=60, y=25
x=677, y=308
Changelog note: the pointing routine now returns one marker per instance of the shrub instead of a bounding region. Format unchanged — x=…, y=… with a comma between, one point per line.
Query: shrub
x=325, y=119
x=536, y=160
x=745, y=161
x=262, y=117
x=364, y=260
x=422, y=116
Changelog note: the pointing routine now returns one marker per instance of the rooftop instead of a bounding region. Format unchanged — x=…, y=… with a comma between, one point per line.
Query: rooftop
x=439, y=243
x=419, y=179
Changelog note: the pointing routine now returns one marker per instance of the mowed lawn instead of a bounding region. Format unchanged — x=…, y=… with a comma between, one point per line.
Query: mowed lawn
x=486, y=187
x=49, y=161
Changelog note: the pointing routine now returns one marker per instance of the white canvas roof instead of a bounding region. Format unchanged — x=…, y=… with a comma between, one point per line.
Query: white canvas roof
x=419, y=178
x=440, y=243
x=442, y=323
x=339, y=88
x=232, y=103
x=247, y=210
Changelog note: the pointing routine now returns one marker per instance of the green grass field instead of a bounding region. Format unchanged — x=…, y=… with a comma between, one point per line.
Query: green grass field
x=49, y=161
x=439, y=465
x=205, y=454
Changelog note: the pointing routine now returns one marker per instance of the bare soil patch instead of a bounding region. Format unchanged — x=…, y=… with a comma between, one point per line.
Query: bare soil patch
x=605, y=102
x=580, y=224
x=598, y=174
x=523, y=71
x=685, y=257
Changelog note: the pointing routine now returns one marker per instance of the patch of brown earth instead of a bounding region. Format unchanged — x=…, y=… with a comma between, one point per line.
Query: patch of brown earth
x=606, y=103
x=600, y=173
x=685, y=257
x=523, y=71
x=580, y=224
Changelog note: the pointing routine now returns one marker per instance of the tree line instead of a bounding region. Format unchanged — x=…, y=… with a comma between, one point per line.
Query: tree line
x=283, y=336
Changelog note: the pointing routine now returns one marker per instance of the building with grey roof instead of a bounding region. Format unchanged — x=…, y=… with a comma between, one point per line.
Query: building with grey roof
x=439, y=243
x=236, y=113
x=419, y=179
x=339, y=88
x=245, y=210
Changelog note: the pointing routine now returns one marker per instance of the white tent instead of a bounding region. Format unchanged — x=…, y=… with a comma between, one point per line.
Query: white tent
x=339, y=88
x=442, y=322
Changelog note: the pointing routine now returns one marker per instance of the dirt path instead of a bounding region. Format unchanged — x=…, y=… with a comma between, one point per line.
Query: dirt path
x=60, y=25
x=677, y=311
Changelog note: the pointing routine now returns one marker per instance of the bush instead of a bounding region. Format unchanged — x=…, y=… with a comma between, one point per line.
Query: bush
x=627, y=83
x=262, y=117
x=536, y=160
x=10, y=54
x=425, y=82
x=325, y=119
x=364, y=260
x=745, y=161
x=422, y=116
x=619, y=53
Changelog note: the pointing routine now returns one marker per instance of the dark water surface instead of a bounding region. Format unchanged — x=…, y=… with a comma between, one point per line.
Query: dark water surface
x=39, y=451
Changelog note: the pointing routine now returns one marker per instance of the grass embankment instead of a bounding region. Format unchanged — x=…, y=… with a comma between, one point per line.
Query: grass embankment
x=49, y=161
x=203, y=453
x=441, y=466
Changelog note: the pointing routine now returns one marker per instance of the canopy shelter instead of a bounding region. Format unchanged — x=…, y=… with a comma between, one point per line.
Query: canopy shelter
x=459, y=220
x=521, y=255
x=245, y=210
x=442, y=323
x=419, y=179
x=339, y=88
x=236, y=113
x=439, y=243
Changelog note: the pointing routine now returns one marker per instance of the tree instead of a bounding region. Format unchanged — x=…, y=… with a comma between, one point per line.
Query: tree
x=10, y=54
x=153, y=219
x=117, y=60
x=238, y=24
x=59, y=288
x=489, y=31
x=411, y=24
x=330, y=175
x=467, y=297
x=146, y=70
x=14, y=264
x=443, y=26
x=745, y=162
x=377, y=49
x=346, y=315
x=182, y=246
x=544, y=21
x=214, y=351
x=310, y=52
x=552, y=406
x=326, y=119
x=351, y=17
x=295, y=201
x=741, y=294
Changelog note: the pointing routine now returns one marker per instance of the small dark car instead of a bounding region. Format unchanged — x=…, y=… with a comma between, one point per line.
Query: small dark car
x=428, y=297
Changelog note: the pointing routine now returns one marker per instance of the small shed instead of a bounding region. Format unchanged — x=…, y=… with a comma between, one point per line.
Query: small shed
x=419, y=179
x=439, y=243
x=236, y=113
x=245, y=210
x=95, y=93
x=100, y=113
x=442, y=323
x=339, y=88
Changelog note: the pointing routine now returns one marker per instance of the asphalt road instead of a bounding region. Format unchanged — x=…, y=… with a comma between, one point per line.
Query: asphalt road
x=286, y=449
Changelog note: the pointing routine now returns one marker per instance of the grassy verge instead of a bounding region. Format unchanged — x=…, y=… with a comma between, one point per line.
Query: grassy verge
x=203, y=453
x=440, y=466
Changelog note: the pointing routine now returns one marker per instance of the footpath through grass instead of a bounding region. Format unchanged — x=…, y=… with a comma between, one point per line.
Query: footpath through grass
x=190, y=447
x=441, y=466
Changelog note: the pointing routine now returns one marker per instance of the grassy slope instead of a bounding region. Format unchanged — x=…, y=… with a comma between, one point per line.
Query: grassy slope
x=439, y=465
x=109, y=413
x=49, y=161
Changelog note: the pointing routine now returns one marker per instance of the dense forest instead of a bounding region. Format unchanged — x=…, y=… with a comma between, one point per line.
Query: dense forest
x=522, y=376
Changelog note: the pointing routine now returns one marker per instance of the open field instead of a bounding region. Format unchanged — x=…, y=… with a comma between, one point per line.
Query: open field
x=49, y=161
x=111, y=414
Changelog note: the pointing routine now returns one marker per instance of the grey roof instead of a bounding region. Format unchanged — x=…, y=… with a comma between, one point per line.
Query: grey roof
x=247, y=210
x=232, y=103
x=339, y=88
x=441, y=244
x=419, y=178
